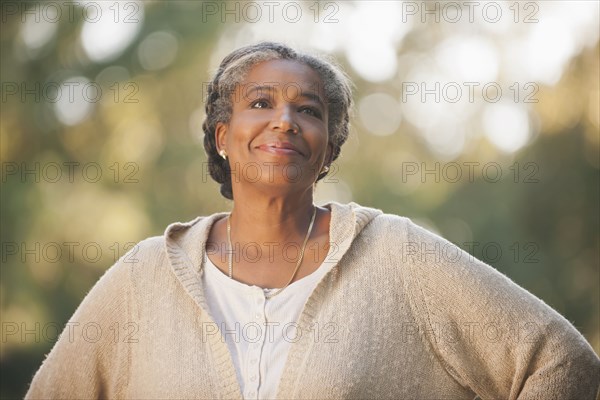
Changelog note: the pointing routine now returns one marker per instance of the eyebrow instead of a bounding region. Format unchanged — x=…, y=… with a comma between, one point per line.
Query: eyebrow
x=268, y=88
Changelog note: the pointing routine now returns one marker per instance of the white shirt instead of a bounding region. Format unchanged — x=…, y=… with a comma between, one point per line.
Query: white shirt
x=258, y=331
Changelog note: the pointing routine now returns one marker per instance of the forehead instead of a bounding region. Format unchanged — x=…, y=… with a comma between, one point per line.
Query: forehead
x=284, y=75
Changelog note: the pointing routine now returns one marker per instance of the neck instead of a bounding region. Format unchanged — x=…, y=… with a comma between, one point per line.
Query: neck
x=267, y=218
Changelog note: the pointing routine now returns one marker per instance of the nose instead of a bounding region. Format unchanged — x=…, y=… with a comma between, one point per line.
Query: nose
x=283, y=121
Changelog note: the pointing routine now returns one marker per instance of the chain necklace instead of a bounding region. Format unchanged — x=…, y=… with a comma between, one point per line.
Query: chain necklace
x=298, y=262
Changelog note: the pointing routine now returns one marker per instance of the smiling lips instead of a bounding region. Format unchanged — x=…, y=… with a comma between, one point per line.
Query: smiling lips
x=283, y=148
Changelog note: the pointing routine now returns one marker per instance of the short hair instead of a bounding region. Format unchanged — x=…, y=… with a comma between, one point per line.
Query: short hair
x=234, y=68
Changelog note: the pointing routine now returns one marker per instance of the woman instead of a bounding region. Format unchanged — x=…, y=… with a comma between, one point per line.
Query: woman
x=284, y=299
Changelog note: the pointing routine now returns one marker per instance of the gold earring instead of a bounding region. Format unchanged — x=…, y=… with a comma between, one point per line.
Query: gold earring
x=223, y=154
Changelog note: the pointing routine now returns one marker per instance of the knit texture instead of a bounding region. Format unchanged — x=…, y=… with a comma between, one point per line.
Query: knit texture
x=403, y=314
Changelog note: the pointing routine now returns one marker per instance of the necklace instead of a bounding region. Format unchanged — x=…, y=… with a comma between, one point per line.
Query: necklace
x=298, y=262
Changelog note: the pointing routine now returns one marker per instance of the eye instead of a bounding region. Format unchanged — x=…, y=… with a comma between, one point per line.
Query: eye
x=260, y=103
x=311, y=111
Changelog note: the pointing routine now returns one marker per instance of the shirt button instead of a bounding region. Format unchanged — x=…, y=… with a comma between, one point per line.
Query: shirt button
x=258, y=315
x=253, y=378
x=251, y=394
x=253, y=361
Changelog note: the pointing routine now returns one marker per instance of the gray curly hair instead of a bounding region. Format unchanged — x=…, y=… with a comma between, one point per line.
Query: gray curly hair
x=231, y=72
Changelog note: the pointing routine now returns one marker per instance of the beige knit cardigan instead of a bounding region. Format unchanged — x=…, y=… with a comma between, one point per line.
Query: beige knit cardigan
x=403, y=314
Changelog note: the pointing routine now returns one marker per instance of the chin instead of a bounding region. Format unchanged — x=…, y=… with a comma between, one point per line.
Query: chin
x=276, y=172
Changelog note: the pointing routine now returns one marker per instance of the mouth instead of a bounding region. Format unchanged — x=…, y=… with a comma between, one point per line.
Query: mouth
x=283, y=148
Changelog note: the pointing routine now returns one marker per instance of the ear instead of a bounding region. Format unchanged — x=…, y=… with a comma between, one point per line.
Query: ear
x=221, y=136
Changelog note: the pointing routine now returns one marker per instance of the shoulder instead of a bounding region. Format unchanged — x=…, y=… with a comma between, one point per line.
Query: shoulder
x=155, y=248
x=422, y=249
x=148, y=248
x=142, y=256
x=420, y=253
x=397, y=227
x=152, y=252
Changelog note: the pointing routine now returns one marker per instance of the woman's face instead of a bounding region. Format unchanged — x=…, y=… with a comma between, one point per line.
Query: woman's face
x=277, y=136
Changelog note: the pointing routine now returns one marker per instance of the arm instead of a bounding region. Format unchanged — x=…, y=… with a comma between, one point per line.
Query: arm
x=491, y=335
x=89, y=360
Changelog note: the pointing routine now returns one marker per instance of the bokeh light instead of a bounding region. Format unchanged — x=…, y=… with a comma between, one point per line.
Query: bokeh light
x=110, y=28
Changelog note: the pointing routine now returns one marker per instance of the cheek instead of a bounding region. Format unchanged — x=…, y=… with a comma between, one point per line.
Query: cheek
x=240, y=130
x=320, y=133
x=247, y=124
x=319, y=145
